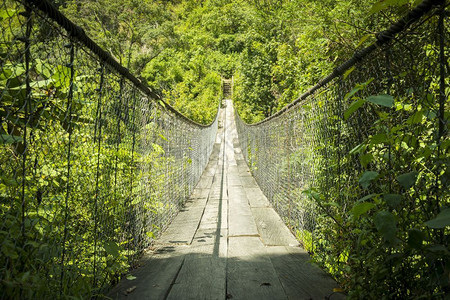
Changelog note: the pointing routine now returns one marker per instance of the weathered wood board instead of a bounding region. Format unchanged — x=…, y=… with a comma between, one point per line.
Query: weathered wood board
x=301, y=279
x=154, y=278
x=250, y=273
x=256, y=197
x=271, y=228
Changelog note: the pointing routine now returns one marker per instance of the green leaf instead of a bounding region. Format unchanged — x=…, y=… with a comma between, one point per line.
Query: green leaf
x=352, y=92
x=348, y=72
x=9, y=251
x=353, y=107
x=367, y=177
x=392, y=200
x=379, y=6
x=357, y=149
x=415, y=118
x=112, y=248
x=365, y=159
x=442, y=219
x=407, y=180
x=386, y=225
x=363, y=39
x=361, y=208
x=376, y=7
x=163, y=137
x=367, y=197
x=438, y=248
x=10, y=139
x=415, y=238
x=131, y=277
x=382, y=100
x=377, y=139
x=312, y=194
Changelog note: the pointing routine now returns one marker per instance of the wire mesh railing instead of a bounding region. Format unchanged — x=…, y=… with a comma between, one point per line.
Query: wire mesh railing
x=93, y=168
x=358, y=165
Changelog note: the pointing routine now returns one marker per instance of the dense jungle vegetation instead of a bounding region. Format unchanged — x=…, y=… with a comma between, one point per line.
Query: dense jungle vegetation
x=388, y=236
x=274, y=49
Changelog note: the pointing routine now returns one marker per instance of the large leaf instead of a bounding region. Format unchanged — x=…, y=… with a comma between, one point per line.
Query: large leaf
x=407, y=180
x=383, y=4
x=367, y=177
x=386, y=225
x=380, y=138
x=353, y=107
x=10, y=139
x=361, y=208
x=382, y=100
x=442, y=219
x=366, y=159
x=392, y=200
x=112, y=248
x=364, y=38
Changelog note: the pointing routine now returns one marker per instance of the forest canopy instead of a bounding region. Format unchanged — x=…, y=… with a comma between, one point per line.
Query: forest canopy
x=275, y=50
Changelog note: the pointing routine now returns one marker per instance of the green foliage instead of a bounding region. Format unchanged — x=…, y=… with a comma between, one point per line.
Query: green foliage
x=442, y=220
x=383, y=225
x=85, y=171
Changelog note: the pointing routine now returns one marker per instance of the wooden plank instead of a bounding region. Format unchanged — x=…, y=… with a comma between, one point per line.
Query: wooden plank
x=256, y=198
x=241, y=162
x=200, y=278
x=155, y=276
x=232, y=170
x=271, y=228
x=237, y=194
x=249, y=182
x=210, y=169
x=250, y=273
x=243, y=169
x=218, y=193
x=301, y=279
x=234, y=180
x=240, y=216
x=210, y=242
x=215, y=214
x=203, y=274
x=238, y=155
x=199, y=193
x=219, y=179
x=215, y=153
x=183, y=227
x=241, y=223
x=205, y=182
x=218, y=189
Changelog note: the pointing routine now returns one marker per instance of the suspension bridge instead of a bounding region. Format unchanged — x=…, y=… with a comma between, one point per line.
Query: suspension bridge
x=227, y=242
x=102, y=180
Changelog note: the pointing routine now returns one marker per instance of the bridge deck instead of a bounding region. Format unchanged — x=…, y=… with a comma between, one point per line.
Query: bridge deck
x=227, y=242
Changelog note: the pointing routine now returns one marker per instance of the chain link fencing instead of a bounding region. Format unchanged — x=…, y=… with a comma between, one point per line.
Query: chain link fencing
x=369, y=141
x=93, y=167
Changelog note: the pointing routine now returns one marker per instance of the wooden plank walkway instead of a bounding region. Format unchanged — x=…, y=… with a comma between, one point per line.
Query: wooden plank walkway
x=228, y=242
